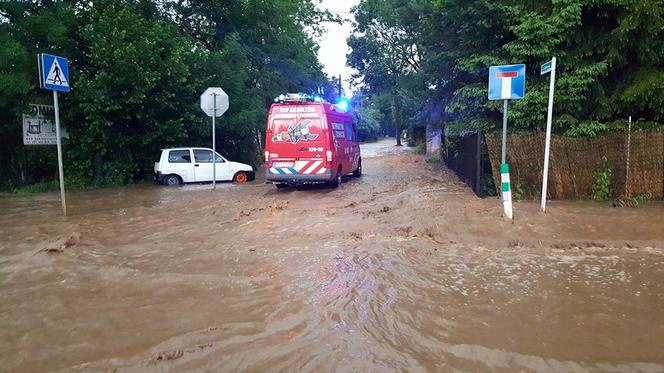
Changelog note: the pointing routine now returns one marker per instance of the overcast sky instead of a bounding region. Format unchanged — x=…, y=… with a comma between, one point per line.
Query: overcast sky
x=333, y=47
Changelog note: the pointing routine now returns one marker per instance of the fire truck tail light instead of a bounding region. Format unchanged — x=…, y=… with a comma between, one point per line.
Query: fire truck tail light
x=267, y=156
x=328, y=155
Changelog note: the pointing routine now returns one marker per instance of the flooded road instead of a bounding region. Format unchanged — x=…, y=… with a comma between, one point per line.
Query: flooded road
x=403, y=269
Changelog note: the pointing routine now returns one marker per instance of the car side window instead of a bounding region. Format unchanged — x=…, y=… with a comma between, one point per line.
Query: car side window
x=179, y=156
x=338, y=129
x=205, y=156
x=350, y=133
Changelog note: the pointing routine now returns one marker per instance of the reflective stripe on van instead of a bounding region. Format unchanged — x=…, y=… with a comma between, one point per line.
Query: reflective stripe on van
x=314, y=167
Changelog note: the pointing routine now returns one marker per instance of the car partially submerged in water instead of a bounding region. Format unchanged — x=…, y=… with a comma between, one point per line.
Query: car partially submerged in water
x=195, y=165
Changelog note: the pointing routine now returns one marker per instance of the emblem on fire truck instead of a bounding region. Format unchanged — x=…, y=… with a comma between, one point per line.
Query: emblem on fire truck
x=296, y=132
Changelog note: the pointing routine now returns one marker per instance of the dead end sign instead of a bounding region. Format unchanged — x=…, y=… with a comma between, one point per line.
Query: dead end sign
x=507, y=82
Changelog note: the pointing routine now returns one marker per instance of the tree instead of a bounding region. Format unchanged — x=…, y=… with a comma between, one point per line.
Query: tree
x=134, y=90
x=27, y=28
x=367, y=117
x=137, y=70
x=610, y=55
x=385, y=52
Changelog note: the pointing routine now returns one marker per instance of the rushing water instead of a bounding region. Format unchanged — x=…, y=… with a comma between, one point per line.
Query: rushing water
x=403, y=269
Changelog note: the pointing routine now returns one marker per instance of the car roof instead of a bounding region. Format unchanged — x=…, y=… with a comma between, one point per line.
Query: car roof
x=194, y=148
x=328, y=108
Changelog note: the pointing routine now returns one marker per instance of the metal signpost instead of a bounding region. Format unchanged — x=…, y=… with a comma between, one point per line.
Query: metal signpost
x=54, y=75
x=214, y=102
x=506, y=83
x=628, y=193
x=549, y=67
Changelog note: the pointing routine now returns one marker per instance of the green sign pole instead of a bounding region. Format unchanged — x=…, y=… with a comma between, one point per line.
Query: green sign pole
x=506, y=190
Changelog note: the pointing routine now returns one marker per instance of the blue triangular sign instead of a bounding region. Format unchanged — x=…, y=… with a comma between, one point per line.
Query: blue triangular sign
x=55, y=73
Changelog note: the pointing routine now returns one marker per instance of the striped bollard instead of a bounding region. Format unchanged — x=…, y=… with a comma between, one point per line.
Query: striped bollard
x=506, y=190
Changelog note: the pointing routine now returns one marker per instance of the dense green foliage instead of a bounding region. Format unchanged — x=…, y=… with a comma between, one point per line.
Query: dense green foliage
x=426, y=61
x=368, y=118
x=137, y=70
x=420, y=149
x=602, y=181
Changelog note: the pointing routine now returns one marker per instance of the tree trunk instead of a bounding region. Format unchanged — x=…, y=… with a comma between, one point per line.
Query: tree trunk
x=396, y=118
x=99, y=167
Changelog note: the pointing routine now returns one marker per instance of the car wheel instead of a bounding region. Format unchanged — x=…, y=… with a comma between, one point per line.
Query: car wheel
x=240, y=178
x=358, y=172
x=172, y=180
x=337, y=180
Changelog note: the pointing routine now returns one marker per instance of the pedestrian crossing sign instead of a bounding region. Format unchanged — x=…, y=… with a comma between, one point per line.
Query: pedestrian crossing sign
x=53, y=72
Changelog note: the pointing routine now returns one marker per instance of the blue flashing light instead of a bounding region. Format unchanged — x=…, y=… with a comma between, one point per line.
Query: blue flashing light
x=343, y=104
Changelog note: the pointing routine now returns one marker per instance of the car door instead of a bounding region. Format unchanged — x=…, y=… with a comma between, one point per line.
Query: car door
x=179, y=162
x=353, y=147
x=203, y=166
x=339, y=139
x=224, y=172
x=343, y=140
x=310, y=141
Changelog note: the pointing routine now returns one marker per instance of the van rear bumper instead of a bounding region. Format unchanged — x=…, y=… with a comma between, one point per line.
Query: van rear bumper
x=300, y=179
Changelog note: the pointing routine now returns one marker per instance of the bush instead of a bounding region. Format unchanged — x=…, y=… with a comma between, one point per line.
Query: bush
x=71, y=183
x=434, y=160
x=642, y=199
x=519, y=192
x=40, y=187
x=420, y=149
x=487, y=186
x=602, y=181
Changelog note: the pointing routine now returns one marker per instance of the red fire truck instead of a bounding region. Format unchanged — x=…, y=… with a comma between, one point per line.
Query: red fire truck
x=309, y=141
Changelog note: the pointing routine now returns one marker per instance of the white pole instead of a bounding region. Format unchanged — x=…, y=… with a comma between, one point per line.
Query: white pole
x=503, y=155
x=503, y=150
x=59, y=146
x=214, y=142
x=629, y=145
x=547, y=147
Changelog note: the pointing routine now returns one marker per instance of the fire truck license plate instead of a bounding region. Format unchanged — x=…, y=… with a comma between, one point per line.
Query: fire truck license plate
x=284, y=164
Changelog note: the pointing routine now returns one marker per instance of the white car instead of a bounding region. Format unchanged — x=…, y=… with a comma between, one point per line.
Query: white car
x=176, y=167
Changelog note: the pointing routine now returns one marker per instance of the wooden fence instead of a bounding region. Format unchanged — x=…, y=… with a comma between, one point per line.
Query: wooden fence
x=574, y=160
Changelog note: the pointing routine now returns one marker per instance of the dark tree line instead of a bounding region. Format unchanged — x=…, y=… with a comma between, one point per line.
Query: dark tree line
x=137, y=69
x=426, y=62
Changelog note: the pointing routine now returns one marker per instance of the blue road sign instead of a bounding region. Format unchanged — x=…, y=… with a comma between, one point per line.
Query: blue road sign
x=507, y=82
x=54, y=72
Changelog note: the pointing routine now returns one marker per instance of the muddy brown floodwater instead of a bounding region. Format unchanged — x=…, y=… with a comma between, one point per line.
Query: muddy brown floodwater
x=401, y=270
